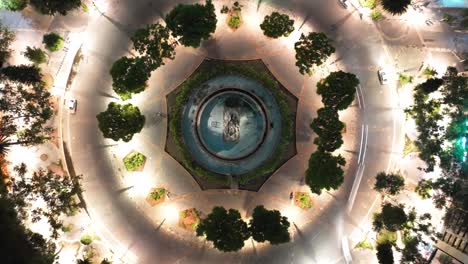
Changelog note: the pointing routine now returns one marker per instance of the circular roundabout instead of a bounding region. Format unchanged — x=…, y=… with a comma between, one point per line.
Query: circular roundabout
x=220, y=125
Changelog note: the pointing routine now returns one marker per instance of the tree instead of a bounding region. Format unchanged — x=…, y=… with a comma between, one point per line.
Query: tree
x=154, y=43
x=396, y=7
x=324, y=171
x=192, y=23
x=269, y=225
x=59, y=193
x=53, y=41
x=6, y=39
x=423, y=188
x=430, y=85
x=25, y=74
x=312, y=49
x=454, y=91
x=120, y=121
x=129, y=76
x=391, y=183
x=392, y=217
x=277, y=25
x=225, y=229
x=410, y=253
x=338, y=89
x=328, y=127
x=35, y=55
x=19, y=244
x=25, y=111
x=52, y=7
x=13, y=5
x=385, y=253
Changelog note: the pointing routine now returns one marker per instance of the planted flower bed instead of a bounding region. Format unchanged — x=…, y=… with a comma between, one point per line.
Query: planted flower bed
x=156, y=196
x=134, y=161
x=189, y=219
x=303, y=200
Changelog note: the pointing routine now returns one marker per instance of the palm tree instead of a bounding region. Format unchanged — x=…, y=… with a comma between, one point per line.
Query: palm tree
x=4, y=145
x=396, y=7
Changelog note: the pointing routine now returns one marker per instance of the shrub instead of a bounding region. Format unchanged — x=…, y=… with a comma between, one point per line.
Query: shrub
x=405, y=79
x=429, y=72
x=86, y=240
x=157, y=194
x=224, y=9
x=134, y=161
x=67, y=228
x=35, y=55
x=53, y=41
x=303, y=200
x=376, y=15
x=277, y=25
x=234, y=21
x=13, y=5
x=368, y=3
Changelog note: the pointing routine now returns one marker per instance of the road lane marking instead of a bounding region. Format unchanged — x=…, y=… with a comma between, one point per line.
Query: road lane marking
x=362, y=96
x=365, y=144
x=355, y=188
x=360, y=145
x=358, y=99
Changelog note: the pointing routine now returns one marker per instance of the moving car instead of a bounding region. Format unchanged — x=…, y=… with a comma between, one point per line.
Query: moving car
x=383, y=76
x=72, y=105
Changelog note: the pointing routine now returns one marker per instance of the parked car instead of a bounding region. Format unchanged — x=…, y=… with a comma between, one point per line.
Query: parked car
x=383, y=76
x=72, y=105
x=343, y=3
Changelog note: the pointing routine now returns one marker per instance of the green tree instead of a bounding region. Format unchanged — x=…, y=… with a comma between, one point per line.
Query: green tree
x=410, y=253
x=154, y=43
x=277, y=25
x=53, y=41
x=192, y=23
x=13, y=5
x=455, y=89
x=392, y=217
x=6, y=39
x=58, y=192
x=225, y=229
x=423, y=188
x=25, y=111
x=120, y=121
x=385, y=253
x=338, y=89
x=129, y=76
x=391, y=183
x=25, y=74
x=312, y=49
x=269, y=225
x=19, y=244
x=430, y=85
x=328, y=127
x=52, y=7
x=35, y=55
x=396, y=7
x=324, y=171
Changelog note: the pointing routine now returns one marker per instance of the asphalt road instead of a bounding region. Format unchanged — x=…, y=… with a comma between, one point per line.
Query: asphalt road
x=360, y=50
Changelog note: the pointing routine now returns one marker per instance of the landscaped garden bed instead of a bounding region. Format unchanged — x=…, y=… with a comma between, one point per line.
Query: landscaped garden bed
x=134, y=161
x=156, y=196
x=189, y=219
x=302, y=200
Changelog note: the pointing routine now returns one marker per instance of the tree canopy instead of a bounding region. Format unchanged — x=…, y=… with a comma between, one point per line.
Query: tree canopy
x=396, y=7
x=25, y=108
x=154, y=43
x=192, y=23
x=277, y=25
x=58, y=192
x=13, y=5
x=35, y=55
x=392, y=217
x=129, y=76
x=328, y=127
x=6, y=39
x=225, y=229
x=430, y=85
x=269, y=225
x=120, y=121
x=391, y=183
x=324, y=171
x=52, y=7
x=338, y=89
x=312, y=49
x=53, y=41
x=385, y=253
